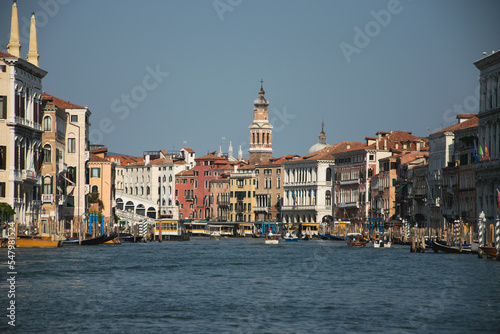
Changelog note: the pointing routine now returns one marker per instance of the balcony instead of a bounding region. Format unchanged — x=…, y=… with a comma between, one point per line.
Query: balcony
x=47, y=198
x=18, y=202
x=348, y=205
x=381, y=189
x=36, y=203
x=348, y=182
x=30, y=175
x=261, y=209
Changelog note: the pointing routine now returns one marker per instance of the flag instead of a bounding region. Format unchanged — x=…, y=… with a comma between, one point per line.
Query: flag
x=481, y=153
x=474, y=153
x=486, y=153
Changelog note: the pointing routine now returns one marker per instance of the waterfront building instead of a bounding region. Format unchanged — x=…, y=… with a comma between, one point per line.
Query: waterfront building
x=411, y=194
x=459, y=182
x=488, y=170
x=354, y=168
x=208, y=168
x=387, y=187
x=102, y=172
x=269, y=189
x=21, y=127
x=219, y=197
x=260, y=131
x=307, y=196
x=184, y=194
x=147, y=187
x=68, y=187
x=242, y=194
x=441, y=155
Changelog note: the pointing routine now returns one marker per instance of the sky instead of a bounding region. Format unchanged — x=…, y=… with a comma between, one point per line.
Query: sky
x=160, y=74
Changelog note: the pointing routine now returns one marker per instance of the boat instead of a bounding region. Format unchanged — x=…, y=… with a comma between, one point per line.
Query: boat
x=215, y=235
x=36, y=241
x=337, y=238
x=129, y=238
x=377, y=243
x=85, y=242
x=272, y=238
x=112, y=239
x=437, y=246
x=290, y=237
x=321, y=236
x=355, y=240
x=170, y=230
x=490, y=251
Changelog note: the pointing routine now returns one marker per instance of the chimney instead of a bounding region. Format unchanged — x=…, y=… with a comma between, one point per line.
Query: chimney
x=146, y=159
x=417, y=144
x=385, y=144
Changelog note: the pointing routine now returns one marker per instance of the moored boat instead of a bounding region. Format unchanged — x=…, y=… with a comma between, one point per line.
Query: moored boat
x=85, y=242
x=355, y=240
x=127, y=237
x=490, y=251
x=36, y=241
x=272, y=238
x=215, y=235
x=337, y=237
x=437, y=246
x=290, y=237
x=377, y=243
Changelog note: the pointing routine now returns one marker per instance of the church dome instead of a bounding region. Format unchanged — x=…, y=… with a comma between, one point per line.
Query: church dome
x=261, y=100
x=321, y=144
x=316, y=147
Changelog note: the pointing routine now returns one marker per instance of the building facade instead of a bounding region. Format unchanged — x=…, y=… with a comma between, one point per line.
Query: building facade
x=242, y=194
x=21, y=128
x=488, y=170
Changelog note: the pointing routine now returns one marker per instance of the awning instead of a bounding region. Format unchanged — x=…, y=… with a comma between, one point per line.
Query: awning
x=400, y=187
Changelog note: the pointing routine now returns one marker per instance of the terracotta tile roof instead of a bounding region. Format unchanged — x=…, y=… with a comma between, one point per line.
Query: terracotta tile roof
x=126, y=160
x=210, y=156
x=278, y=161
x=326, y=153
x=470, y=123
x=189, y=172
x=6, y=55
x=99, y=150
x=396, y=137
x=61, y=104
x=95, y=158
x=160, y=161
x=247, y=167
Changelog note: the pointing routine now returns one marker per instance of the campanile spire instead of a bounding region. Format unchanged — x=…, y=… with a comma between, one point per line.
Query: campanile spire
x=260, y=130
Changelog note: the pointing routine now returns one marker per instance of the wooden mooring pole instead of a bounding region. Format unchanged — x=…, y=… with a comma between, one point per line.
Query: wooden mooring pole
x=412, y=239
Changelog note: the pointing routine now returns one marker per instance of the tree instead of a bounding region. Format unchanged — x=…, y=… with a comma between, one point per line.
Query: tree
x=6, y=211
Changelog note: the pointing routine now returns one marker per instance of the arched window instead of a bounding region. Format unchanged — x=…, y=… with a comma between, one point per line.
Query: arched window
x=47, y=123
x=328, y=174
x=268, y=138
x=47, y=151
x=95, y=189
x=328, y=198
x=148, y=191
x=47, y=185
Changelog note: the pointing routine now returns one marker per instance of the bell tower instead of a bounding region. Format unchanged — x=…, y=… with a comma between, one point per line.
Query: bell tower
x=260, y=130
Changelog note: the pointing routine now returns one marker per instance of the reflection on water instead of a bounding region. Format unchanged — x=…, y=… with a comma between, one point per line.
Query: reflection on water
x=245, y=286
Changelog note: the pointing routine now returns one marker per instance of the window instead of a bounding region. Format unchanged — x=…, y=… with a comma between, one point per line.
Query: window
x=74, y=118
x=3, y=107
x=47, y=123
x=71, y=145
x=72, y=174
x=2, y=189
x=278, y=185
x=95, y=189
x=96, y=172
x=47, y=150
x=47, y=185
x=3, y=157
x=3, y=68
x=70, y=202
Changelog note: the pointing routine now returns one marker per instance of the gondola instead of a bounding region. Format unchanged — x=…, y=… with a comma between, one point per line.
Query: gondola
x=490, y=251
x=85, y=242
x=437, y=246
x=321, y=236
x=336, y=237
x=127, y=237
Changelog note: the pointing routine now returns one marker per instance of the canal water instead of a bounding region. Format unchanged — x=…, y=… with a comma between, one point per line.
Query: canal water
x=246, y=286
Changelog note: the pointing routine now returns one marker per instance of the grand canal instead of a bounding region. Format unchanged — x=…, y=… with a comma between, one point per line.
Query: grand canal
x=245, y=286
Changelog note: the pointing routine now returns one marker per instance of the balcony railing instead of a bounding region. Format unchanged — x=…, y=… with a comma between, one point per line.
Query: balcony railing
x=348, y=205
x=18, y=201
x=30, y=175
x=47, y=198
x=261, y=209
x=36, y=203
x=347, y=182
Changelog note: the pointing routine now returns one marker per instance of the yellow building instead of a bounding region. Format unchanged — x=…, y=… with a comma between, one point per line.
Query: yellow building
x=102, y=182
x=242, y=194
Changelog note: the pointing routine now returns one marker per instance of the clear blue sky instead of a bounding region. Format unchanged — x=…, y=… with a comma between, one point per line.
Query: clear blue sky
x=408, y=76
